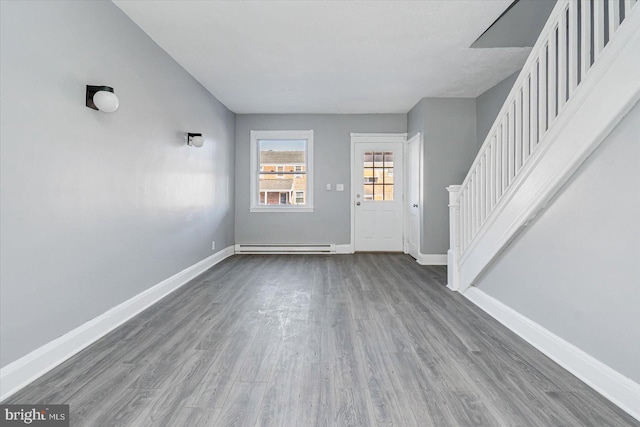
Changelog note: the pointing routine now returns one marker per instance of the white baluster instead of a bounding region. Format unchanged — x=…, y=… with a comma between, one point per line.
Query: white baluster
x=498, y=155
x=518, y=132
x=542, y=93
x=476, y=200
x=526, y=120
x=533, y=127
x=511, y=142
x=482, y=190
x=562, y=60
x=453, y=280
x=628, y=4
x=585, y=46
x=614, y=17
x=573, y=46
x=551, y=77
x=598, y=28
x=505, y=154
x=492, y=174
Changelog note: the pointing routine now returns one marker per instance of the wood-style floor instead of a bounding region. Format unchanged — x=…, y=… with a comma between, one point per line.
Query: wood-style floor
x=307, y=340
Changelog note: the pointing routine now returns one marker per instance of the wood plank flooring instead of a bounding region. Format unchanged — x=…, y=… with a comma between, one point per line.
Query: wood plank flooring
x=313, y=340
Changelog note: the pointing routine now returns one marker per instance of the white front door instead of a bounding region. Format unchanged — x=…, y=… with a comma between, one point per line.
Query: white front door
x=378, y=196
x=413, y=196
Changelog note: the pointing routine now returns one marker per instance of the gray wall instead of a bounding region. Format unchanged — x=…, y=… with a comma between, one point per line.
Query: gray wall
x=519, y=26
x=488, y=106
x=98, y=207
x=448, y=127
x=576, y=269
x=330, y=222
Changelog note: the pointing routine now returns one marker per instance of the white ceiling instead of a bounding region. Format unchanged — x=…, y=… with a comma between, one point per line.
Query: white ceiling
x=330, y=56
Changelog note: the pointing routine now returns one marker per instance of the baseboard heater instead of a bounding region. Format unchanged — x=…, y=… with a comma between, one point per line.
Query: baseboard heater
x=267, y=248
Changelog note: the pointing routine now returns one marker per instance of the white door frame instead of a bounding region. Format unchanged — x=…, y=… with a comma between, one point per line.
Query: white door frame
x=418, y=137
x=371, y=137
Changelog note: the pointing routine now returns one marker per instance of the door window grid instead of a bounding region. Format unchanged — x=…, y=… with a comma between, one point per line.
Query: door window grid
x=378, y=176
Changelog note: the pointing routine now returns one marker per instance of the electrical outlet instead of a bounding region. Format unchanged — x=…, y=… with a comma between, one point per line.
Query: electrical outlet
x=213, y=245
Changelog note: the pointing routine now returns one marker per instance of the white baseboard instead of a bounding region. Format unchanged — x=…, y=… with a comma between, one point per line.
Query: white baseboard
x=432, y=259
x=23, y=371
x=344, y=249
x=619, y=389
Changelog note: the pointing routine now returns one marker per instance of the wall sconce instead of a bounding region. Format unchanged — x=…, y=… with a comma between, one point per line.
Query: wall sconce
x=102, y=98
x=195, y=139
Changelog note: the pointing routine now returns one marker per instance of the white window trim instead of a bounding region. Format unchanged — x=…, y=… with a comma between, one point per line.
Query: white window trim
x=254, y=201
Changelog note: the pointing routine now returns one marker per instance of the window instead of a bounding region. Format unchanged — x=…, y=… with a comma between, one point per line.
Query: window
x=281, y=171
x=378, y=175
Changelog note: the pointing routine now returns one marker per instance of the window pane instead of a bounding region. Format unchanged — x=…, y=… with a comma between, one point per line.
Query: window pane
x=284, y=153
x=378, y=192
x=378, y=175
x=388, y=192
x=287, y=182
x=368, y=175
x=273, y=186
x=368, y=192
x=378, y=159
x=388, y=159
x=388, y=175
x=368, y=159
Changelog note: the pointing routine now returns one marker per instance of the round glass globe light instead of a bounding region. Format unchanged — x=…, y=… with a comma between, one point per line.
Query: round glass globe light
x=197, y=141
x=106, y=101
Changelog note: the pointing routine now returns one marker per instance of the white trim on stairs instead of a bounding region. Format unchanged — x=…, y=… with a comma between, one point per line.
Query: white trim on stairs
x=619, y=389
x=23, y=371
x=608, y=92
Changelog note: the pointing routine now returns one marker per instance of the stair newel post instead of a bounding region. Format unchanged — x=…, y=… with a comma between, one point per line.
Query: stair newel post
x=453, y=280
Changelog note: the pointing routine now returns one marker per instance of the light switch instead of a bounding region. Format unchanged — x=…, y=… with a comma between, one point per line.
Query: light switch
x=339, y=187
x=328, y=187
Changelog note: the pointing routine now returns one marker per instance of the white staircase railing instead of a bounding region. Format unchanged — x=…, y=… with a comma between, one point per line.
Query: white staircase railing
x=573, y=41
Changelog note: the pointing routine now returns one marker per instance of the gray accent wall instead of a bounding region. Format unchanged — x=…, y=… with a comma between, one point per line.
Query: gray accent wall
x=519, y=26
x=97, y=207
x=330, y=221
x=576, y=269
x=448, y=127
x=488, y=106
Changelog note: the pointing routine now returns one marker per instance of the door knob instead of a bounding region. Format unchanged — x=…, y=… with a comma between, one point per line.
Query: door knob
x=358, y=204
x=415, y=205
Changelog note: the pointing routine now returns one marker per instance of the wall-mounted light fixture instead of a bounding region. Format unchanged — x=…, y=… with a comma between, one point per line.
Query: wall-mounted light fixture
x=195, y=139
x=102, y=98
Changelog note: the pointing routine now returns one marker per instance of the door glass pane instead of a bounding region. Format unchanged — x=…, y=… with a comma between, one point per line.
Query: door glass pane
x=368, y=160
x=378, y=175
x=388, y=175
x=378, y=159
x=378, y=192
x=388, y=159
x=368, y=192
x=388, y=192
